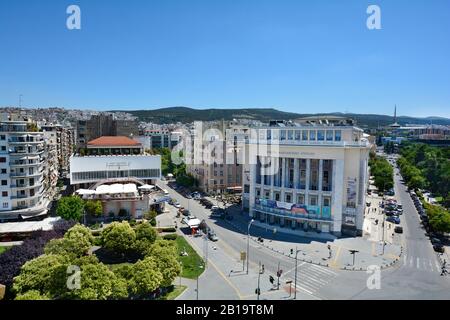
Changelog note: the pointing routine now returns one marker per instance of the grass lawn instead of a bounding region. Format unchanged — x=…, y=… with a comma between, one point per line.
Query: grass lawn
x=191, y=263
x=172, y=295
x=3, y=249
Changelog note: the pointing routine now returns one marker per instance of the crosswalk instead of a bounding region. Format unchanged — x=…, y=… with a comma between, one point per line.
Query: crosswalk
x=430, y=265
x=311, y=278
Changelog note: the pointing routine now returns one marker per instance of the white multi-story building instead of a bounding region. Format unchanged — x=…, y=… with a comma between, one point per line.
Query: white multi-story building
x=308, y=176
x=22, y=169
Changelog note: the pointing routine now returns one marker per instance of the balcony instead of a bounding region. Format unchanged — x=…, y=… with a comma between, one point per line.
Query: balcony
x=25, y=174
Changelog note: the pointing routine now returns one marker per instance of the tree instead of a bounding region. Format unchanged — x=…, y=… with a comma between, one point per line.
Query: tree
x=118, y=237
x=32, y=295
x=146, y=277
x=150, y=215
x=98, y=283
x=70, y=208
x=168, y=265
x=145, y=232
x=45, y=274
x=94, y=207
x=76, y=243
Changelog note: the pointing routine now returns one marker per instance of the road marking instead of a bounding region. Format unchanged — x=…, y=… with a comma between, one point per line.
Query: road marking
x=431, y=265
x=334, y=262
x=438, y=266
x=417, y=263
x=323, y=269
x=411, y=262
x=404, y=260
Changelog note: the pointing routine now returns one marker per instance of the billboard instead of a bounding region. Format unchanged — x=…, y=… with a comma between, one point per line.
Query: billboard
x=292, y=208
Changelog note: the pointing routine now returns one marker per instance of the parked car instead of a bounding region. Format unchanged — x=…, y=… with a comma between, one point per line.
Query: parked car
x=393, y=219
x=212, y=236
x=435, y=241
x=214, y=208
x=186, y=212
x=177, y=205
x=398, y=229
x=439, y=248
x=187, y=219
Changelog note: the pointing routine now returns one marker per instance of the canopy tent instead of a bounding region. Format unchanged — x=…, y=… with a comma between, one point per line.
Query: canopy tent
x=116, y=188
x=146, y=187
x=83, y=192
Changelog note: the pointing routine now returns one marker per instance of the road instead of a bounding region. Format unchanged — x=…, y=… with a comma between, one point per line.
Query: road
x=417, y=277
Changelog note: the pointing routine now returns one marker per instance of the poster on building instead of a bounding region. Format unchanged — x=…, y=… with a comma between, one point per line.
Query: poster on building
x=351, y=192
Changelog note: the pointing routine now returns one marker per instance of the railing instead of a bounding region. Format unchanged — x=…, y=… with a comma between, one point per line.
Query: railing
x=284, y=213
x=312, y=143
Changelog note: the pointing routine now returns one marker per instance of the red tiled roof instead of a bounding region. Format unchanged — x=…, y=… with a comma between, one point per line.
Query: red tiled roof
x=113, y=141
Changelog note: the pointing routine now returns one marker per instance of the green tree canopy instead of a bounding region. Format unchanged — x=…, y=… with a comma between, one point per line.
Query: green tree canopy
x=146, y=277
x=94, y=207
x=70, y=208
x=118, y=237
x=32, y=295
x=168, y=264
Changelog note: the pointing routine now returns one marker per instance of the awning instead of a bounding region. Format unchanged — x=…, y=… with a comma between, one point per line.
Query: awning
x=146, y=187
x=83, y=192
x=194, y=223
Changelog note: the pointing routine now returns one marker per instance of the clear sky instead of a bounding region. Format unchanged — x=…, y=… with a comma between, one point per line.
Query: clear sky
x=294, y=55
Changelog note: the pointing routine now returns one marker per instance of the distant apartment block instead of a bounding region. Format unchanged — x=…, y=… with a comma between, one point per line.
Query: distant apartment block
x=159, y=138
x=104, y=125
x=307, y=176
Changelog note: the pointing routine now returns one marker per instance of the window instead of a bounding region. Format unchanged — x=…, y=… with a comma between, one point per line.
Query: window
x=2, y=160
x=320, y=135
x=2, y=137
x=288, y=198
x=5, y=205
x=246, y=188
x=277, y=197
x=312, y=135
x=337, y=135
x=3, y=148
x=297, y=134
x=313, y=201
x=283, y=135
x=4, y=193
x=4, y=171
x=269, y=134
x=290, y=135
x=329, y=135
x=4, y=182
x=326, y=201
x=304, y=135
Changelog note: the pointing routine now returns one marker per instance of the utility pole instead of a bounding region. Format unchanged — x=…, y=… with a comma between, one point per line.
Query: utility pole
x=278, y=276
x=258, y=290
x=384, y=223
x=248, y=242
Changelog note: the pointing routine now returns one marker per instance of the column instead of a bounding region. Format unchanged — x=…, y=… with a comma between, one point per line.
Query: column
x=337, y=201
x=283, y=177
x=272, y=178
x=319, y=200
x=296, y=173
x=252, y=196
x=308, y=177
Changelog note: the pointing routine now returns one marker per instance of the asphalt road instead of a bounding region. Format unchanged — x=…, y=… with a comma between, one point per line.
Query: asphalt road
x=417, y=277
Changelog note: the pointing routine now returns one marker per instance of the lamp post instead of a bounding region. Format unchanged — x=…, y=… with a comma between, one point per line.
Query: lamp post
x=248, y=241
x=295, y=285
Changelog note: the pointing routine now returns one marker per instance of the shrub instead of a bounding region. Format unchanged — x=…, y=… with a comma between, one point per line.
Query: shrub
x=170, y=236
x=118, y=237
x=153, y=222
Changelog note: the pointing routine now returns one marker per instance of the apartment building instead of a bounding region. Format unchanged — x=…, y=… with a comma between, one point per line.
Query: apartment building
x=307, y=176
x=23, y=174
x=104, y=124
x=214, y=155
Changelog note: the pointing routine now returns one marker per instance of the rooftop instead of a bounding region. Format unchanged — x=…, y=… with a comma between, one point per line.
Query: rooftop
x=113, y=141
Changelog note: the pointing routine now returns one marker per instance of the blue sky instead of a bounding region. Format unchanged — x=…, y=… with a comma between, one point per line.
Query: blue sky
x=298, y=56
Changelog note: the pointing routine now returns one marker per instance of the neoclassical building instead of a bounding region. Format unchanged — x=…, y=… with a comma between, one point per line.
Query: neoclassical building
x=307, y=176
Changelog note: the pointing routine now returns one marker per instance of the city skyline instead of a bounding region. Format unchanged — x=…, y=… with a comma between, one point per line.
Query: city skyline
x=295, y=57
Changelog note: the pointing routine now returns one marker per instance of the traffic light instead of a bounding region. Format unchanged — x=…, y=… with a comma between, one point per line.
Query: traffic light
x=271, y=279
x=279, y=273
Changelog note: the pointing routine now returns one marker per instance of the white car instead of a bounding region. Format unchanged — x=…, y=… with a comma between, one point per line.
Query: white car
x=177, y=205
x=214, y=208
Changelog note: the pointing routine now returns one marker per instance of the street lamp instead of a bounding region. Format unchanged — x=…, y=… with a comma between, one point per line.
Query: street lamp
x=248, y=241
x=353, y=252
x=295, y=285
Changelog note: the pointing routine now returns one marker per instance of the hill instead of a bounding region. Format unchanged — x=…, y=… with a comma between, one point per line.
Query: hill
x=186, y=115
